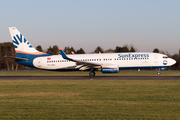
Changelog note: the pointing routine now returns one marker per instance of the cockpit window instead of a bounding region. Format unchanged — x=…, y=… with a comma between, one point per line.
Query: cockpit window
x=165, y=57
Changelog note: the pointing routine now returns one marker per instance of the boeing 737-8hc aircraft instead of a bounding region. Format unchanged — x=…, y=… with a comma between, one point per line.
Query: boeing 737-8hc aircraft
x=106, y=62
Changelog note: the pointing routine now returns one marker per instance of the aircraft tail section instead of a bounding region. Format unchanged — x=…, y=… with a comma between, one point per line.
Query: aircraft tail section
x=22, y=46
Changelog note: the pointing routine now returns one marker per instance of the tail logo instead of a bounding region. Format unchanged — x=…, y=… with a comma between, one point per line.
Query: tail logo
x=18, y=39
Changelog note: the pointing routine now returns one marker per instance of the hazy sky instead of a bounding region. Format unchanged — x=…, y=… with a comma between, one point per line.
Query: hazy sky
x=147, y=24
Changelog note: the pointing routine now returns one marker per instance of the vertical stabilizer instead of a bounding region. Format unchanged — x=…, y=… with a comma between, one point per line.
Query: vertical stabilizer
x=22, y=46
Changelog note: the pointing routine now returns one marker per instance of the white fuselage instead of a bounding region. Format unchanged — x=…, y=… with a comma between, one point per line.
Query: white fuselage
x=123, y=60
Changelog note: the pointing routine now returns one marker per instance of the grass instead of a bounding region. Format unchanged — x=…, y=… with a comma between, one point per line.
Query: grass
x=86, y=73
x=89, y=99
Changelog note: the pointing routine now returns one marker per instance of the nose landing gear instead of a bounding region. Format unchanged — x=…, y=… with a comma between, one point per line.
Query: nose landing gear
x=158, y=72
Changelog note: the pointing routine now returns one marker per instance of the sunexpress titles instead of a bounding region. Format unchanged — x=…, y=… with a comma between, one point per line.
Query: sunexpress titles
x=133, y=55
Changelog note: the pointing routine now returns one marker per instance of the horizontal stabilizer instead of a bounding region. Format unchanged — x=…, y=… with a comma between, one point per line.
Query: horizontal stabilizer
x=17, y=58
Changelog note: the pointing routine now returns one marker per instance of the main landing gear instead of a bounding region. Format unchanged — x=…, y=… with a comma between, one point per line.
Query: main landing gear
x=92, y=73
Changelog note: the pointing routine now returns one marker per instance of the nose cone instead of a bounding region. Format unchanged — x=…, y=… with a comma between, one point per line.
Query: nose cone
x=173, y=62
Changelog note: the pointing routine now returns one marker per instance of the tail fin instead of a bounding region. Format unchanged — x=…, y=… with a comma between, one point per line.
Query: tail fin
x=22, y=46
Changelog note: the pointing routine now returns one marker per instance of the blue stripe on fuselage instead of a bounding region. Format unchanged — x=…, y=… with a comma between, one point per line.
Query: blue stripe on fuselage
x=146, y=67
x=23, y=55
x=120, y=68
x=30, y=58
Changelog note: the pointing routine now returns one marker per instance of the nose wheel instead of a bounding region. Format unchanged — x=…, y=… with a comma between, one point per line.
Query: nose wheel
x=158, y=72
x=92, y=73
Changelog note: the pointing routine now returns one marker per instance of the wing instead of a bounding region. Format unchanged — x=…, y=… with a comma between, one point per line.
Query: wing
x=83, y=65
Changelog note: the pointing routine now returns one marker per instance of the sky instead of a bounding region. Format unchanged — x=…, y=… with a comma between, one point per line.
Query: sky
x=145, y=24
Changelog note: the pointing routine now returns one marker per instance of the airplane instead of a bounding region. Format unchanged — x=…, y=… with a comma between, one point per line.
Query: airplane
x=105, y=62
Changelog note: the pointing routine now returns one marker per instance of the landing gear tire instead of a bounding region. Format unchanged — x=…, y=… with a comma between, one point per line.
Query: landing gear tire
x=92, y=73
x=158, y=73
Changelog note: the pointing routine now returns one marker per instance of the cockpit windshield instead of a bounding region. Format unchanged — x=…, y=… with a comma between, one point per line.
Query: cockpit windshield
x=165, y=57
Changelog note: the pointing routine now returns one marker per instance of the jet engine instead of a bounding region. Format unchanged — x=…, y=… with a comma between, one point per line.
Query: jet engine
x=110, y=69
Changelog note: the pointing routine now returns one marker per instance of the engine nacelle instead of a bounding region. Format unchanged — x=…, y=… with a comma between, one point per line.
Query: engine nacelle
x=162, y=68
x=110, y=69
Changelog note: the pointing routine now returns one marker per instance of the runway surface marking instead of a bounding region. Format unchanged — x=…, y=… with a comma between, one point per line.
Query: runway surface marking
x=89, y=78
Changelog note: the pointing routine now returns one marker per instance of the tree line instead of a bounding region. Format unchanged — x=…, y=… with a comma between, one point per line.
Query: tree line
x=7, y=49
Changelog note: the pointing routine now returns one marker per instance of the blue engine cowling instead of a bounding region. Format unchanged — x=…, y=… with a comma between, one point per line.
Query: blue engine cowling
x=163, y=68
x=110, y=69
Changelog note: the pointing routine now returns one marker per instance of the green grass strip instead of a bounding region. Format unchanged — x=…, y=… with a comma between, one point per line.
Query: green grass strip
x=89, y=99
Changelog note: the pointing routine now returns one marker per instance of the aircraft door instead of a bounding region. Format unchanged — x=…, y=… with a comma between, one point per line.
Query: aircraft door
x=155, y=58
x=39, y=62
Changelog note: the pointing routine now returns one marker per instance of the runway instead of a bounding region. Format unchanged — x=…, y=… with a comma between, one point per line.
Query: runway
x=89, y=78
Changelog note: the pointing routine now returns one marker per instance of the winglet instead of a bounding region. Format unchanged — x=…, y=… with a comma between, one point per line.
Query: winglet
x=72, y=52
x=59, y=48
x=62, y=53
